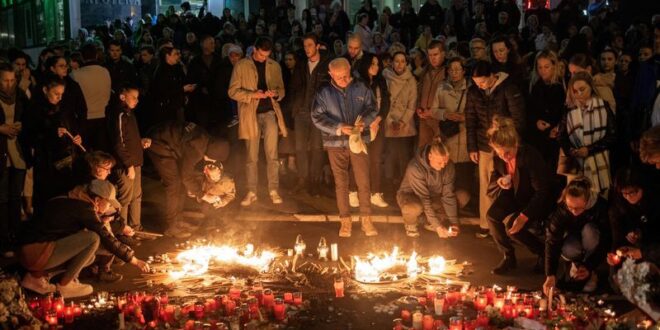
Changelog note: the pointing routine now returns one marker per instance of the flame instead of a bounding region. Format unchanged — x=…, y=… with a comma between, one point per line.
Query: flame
x=372, y=268
x=437, y=265
x=195, y=261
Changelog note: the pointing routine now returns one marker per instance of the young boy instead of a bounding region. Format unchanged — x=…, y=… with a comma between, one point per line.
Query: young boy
x=218, y=185
x=127, y=146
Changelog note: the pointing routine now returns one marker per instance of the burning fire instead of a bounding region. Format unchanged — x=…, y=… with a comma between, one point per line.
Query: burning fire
x=195, y=261
x=376, y=268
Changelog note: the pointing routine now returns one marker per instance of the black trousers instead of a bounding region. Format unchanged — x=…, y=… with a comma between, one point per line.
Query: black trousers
x=503, y=206
x=168, y=170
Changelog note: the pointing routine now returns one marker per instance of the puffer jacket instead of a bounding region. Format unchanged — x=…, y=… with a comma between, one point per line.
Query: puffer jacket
x=425, y=182
x=504, y=98
x=334, y=106
x=562, y=223
x=403, y=99
x=447, y=100
x=64, y=216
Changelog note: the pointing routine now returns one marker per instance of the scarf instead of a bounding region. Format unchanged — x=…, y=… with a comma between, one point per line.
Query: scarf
x=8, y=98
x=586, y=127
x=431, y=79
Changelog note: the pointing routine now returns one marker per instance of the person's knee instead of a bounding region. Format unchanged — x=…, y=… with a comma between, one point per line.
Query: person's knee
x=90, y=238
x=410, y=208
x=572, y=249
x=590, y=236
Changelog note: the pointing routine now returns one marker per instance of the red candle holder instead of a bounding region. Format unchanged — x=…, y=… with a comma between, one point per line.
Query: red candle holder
x=482, y=319
x=164, y=298
x=68, y=315
x=288, y=297
x=339, y=287
x=235, y=293
x=297, y=298
x=456, y=323
x=421, y=301
x=406, y=315
x=397, y=324
x=428, y=322
x=199, y=310
x=230, y=307
x=508, y=309
x=77, y=311
x=481, y=302
x=279, y=309
x=268, y=299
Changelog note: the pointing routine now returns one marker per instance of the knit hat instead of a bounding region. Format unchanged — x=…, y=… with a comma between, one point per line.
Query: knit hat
x=235, y=49
x=105, y=190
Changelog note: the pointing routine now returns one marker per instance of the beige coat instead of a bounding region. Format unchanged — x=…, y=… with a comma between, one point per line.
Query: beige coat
x=242, y=88
x=403, y=99
x=604, y=84
x=446, y=100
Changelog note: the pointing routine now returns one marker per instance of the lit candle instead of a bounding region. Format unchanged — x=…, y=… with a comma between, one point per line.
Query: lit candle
x=52, y=320
x=550, y=299
x=428, y=322
x=68, y=315
x=169, y=313
x=268, y=299
x=334, y=252
x=209, y=305
x=482, y=319
x=235, y=293
x=507, y=309
x=430, y=292
x=297, y=298
x=417, y=319
x=439, y=303
x=499, y=301
x=481, y=302
x=421, y=301
x=470, y=324
x=456, y=323
x=397, y=324
x=199, y=310
x=300, y=246
x=230, y=307
x=288, y=297
x=529, y=311
x=323, y=249
x=279, y=309
x=405, y=315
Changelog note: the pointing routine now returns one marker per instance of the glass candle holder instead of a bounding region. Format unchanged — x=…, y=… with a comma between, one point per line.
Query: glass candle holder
x=339, y=287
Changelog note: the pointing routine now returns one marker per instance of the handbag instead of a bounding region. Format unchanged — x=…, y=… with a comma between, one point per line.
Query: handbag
x=449, y=128
x=567, y=165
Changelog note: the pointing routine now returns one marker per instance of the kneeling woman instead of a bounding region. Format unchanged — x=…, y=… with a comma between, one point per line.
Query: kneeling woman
x=523, y=189
x=579, y=232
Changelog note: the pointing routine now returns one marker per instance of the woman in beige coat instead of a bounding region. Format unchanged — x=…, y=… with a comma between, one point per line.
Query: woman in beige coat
x=449, y=105
x=400, y=124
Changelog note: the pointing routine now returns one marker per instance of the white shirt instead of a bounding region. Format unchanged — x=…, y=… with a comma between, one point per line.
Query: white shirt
x=96, y=85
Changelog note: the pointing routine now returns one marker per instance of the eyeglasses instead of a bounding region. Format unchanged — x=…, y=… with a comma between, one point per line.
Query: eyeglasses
x=630, y=192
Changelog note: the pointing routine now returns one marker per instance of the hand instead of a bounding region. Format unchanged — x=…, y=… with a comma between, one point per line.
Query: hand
x=422, y=113
x=77, y=140
x=613, y=259
x=542, y=125
x=474, y=157
x=554, y=132
x=518, y=225
x=211, y=199
x=189, y=88
x=632, y=237
x=141, y=265
x=146, y=143
x=131, y=173
x=454, y=116
x=630, y=252
x=396, y=126
x=582, y=273
x=504, y=182
x=128, y=231
x=61, y=131
x=550, y=282
x=453, y=231
x=259, y=95
x=359, y=126
x=581, y=152
x=271, y=93
x=10, y=131
x=442, y=232
x=375, y=125
x=346, y=129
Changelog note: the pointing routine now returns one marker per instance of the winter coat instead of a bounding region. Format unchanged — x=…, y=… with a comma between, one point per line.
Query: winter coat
x=166, y=92
x=563, y=223
x=73, y=101
x=304, y=85
x=125, y=135
x=243, y=86
x=121, y=72
x=643, y=218
x=403, y=100
x=446, y=101
x=20, y=107
x=534, y=186
x=604, y=84
x=547, y=102
x=334, y=106
x=504, y=99
x=426, y=182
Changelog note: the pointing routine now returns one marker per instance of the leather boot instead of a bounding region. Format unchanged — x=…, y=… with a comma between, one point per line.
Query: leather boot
x=346, y=226
x=368, y=227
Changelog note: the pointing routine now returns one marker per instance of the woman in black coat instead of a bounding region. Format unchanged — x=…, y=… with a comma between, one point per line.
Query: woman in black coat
x=546, y=106
x=50, y=136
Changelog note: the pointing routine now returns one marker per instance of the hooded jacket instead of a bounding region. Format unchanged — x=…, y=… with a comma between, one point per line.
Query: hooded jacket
x=503, y=98
x=403, y=100
x=563, y=223
x=425, y=182
x=334, y=106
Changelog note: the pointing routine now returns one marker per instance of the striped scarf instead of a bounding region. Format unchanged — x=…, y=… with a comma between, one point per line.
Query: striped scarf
x=587, y=126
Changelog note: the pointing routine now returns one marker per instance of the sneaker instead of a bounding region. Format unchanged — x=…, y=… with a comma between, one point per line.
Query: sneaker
x=233, y=122
x=353, y=199
x=249, y=199
x=368, y=226
x=177, y=232
x=275, y=197
x=39, y=285
x=377, y=199
x=591, y=284
x=110, y=277
x=411, y=231
x=482, y=233
x=75, y=289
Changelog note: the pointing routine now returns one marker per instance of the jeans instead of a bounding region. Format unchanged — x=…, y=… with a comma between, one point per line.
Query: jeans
x=11, y=187
x=309, y=147
x=340, y=160
x=75, y=251
x=375, y=150
x=485, y=169
x=266, y=123
x=168, y=170
x=505, y=207
x=411, y=208
x=577, y=248
x=129, y=195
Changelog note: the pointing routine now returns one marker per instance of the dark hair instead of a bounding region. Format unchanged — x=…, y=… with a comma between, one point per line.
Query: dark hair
x=482, y=69
x=185, y=6
x=98, y=158
x=512, y=56
x=51, y=80
x=6, y=67
x=578, y=187
x=15, y=54
x=312, y=36
x=400, y=53
x=88, y=52
x=362, y=16
x=365, y=64
x=582, y=60
x=629, y=177
x=610, y=50
x=129, y=86
x=51, y=61
x=148, y=49
x=439, y=44
x=76, y=57
x=204, y=37
x=114, y=42
x=263, y=43
x=164, y=51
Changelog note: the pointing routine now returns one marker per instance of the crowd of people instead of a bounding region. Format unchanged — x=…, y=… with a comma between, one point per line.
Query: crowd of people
x=543, y=121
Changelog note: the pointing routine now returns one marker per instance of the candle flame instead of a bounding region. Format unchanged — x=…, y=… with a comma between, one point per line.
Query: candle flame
x=195, y=261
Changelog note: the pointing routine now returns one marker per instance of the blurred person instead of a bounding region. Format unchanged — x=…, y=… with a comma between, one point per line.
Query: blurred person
x=431, y=78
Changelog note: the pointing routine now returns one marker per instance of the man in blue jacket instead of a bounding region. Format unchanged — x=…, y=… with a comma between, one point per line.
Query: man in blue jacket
x=336, y=109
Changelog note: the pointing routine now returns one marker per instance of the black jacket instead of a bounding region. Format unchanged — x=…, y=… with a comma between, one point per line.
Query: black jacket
x=305, y=85
x=643, y=218
x=534, y=184
x=73, y=101
x=121, y=72
x=19, y=109
x=562, y=223
x=432, y=15
x=65, y=216
x=166, y=92
x=125, y=135
x=547, y=103
x=480, y=108
x=184, y=142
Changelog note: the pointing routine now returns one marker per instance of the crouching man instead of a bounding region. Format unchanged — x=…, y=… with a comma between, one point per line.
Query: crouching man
x=67, y=236
x=428, y=188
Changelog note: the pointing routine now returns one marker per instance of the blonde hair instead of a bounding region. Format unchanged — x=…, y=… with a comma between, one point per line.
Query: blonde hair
x=503, y=133
x=556, y=72
x=649, y=144
x=579, y=76
x=439, y=147
x=578, y=187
